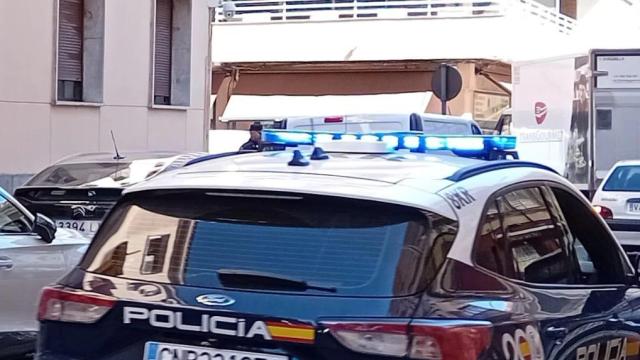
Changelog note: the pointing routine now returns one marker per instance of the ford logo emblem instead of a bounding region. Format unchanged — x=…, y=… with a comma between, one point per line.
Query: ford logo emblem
x=215, y=300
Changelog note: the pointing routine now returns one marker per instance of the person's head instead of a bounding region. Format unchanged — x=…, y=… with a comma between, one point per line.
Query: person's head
x=255, y=131
x=581, y=88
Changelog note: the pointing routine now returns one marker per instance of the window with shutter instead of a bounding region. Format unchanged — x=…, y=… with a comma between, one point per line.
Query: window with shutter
x=569, y=8
x=162, y=66
x=70, y=51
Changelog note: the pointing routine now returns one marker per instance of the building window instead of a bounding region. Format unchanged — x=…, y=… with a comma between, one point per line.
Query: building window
x=569, y=8
x=172, y=53
x=565, y=7
x=604, y=119
x=80, y=50
x=162, y=66
x=154, y=254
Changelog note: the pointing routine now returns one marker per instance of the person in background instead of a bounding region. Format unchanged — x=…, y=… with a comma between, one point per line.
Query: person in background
x=255, y=139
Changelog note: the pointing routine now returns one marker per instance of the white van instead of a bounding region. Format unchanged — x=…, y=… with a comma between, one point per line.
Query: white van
x=365, y=123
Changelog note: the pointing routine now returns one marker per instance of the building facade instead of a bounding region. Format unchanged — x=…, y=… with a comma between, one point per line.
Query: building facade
x=74, y=71
x=360, y=55
x=350, y=49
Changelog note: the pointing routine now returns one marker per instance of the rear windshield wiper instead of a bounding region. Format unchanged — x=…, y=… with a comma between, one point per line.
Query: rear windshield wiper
x=263, y=280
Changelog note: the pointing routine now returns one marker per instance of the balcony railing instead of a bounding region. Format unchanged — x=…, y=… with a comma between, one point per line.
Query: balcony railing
x=270, y=11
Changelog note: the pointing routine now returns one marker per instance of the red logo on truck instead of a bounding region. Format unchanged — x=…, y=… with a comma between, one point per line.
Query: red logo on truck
x=541, y=112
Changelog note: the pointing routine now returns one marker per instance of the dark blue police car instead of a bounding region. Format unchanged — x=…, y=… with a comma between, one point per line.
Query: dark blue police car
x=359, y=251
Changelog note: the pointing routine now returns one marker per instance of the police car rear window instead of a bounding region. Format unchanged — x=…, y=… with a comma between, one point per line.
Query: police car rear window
x=356, y=248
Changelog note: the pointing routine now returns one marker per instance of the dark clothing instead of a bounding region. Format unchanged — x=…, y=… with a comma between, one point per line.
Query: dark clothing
x=580, y=117
x=250, y=145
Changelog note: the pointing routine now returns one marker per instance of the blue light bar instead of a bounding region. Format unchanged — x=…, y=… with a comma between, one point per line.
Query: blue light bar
x=464, y=145
x=290, y=138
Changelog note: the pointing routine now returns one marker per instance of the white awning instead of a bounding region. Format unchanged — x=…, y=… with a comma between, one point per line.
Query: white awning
x=249, y=107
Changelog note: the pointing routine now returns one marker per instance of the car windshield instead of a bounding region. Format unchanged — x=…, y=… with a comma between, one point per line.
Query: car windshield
x=360, y=248
x=445, y=128
x=99, y=174
x=624, y=178
x=78, y=174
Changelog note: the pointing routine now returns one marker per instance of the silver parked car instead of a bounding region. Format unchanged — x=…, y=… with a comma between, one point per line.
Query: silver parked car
x=33, y=254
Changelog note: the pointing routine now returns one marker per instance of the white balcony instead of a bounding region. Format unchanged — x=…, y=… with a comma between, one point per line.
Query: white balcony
x=363, y=30
x=267, y=11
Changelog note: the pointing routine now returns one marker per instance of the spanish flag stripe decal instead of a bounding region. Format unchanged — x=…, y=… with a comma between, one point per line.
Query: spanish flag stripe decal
x=291, y=332
x=524, y=348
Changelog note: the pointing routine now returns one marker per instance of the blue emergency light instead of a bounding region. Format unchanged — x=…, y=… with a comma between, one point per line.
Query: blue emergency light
x=463, y=145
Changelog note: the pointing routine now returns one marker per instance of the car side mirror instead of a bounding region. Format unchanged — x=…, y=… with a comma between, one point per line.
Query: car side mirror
x=45, y=228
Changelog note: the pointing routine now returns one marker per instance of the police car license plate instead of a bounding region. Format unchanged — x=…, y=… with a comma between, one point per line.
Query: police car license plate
x=163, y=351
x=84, y=226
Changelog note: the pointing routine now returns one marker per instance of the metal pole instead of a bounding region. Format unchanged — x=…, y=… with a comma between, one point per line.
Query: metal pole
x=208, y=80
x=592, y=178
x=443, y=88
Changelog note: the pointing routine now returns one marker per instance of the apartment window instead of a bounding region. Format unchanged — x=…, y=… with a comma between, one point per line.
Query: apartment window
x=80, y=50
x=569, y=8
x=565, y=7
x=154, y=254
x=172, y=53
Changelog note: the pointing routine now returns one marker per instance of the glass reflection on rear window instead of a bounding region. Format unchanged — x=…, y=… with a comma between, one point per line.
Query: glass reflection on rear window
x=359, y=247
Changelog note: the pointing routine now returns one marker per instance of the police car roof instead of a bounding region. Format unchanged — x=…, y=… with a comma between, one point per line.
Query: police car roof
x=391, y=168
x=366, y=176
x=400, y=177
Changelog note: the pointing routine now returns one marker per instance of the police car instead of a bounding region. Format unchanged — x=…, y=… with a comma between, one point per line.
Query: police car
x=343, y=246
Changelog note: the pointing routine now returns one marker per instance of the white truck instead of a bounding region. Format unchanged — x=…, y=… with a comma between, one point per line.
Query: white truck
x=578, y=114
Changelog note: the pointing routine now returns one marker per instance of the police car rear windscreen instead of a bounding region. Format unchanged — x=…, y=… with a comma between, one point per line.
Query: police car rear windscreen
x=270, y=241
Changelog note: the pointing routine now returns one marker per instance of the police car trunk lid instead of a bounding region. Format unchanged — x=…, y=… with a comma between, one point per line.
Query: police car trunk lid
x=161, y=253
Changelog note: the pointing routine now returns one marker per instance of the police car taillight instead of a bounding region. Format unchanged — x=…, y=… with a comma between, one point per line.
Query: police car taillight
x=333, y=119
x=66, y=305
x=428, y=339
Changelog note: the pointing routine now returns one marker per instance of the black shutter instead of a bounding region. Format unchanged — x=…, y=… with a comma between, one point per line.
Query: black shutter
x=162, y=66
x=70, y=36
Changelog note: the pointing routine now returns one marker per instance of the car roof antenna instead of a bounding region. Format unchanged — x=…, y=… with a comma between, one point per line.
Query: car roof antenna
x=115, y=147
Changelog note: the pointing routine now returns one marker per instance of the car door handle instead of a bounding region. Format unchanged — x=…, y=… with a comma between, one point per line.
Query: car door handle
x=6, y=263
x=556, y=332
